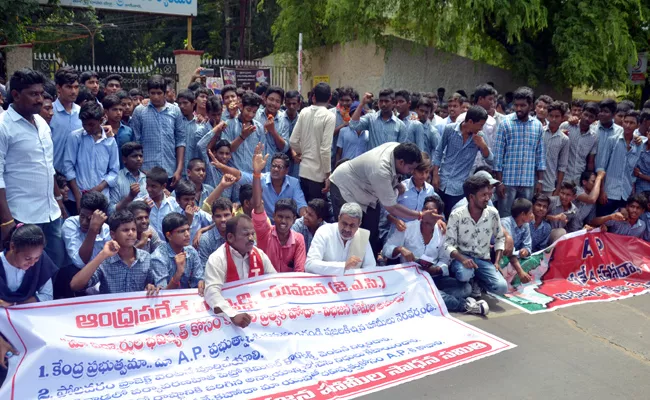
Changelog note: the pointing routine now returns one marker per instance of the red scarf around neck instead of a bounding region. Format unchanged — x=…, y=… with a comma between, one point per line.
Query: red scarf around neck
x=255, y=265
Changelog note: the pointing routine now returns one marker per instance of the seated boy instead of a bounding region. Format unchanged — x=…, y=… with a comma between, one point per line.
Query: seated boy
x=316, y=214
x=237, y=259
x=157, y=200
x=91, y=160
x=517, y=225
x=196, y=174
x=215, y=237
x=148, y=239
x=84, y=235
x=131, y=182
x=619, y=224
x=285, y=248
x=120, y=267
x=424, y=242
x=562, y=211
x=177, y=257
x=587, y=196
x=540, y=230
x=185, y=193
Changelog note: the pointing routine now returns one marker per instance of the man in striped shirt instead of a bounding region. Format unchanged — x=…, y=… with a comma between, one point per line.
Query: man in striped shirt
x=556, y=146
x=519, y=153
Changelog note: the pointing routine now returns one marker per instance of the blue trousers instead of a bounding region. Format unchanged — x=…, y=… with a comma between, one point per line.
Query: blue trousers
x=486, y=274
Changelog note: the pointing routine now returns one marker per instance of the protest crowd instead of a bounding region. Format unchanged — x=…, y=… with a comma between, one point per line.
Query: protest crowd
x=109, y=190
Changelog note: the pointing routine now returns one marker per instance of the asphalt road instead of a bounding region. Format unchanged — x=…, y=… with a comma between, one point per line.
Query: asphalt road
x=589, y=351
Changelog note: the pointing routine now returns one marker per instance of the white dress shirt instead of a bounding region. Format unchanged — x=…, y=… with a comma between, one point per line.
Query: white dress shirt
x=216, y=272
x=312, y=138
x=73, y=238
x=27, y=168
x=412, y=239
x=328, y=254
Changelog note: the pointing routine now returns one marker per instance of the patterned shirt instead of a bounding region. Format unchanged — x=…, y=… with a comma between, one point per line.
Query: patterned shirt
x=380, y=131
x=300, y=227
x=584, y=214
x=603, y=134
x=90, y=162
x=520, y=235
x=644, y=166
x=209, y=243
x=618, y=162
x=624, y=228
x=122, y=187
x=540, y=235
x=163, y=260
x=455, y=159
x=73, y=238
x=556, y=208
x=519, y=151
x=556, y=146
x=473, y=238
x=160, y=133
x=282, y=126
x=114, y=276
x=242, y=159
x=63, y=123
x=582, y=145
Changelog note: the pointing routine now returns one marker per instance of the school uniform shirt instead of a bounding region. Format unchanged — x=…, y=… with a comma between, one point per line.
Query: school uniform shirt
x=581, y=146
x=412, y=198
x=369, y=178
x=489, y=134
x=27, y=168
x=90, y=162
x=156, y=215
x=380, y=131
x=200, y=220
x=472, y=238
x=215, y=276
x=618, y=163
x=645, y=217
x=412, y=239
x=242, y=159
x=602, y=135
x=115, y=276
x=556, y=147
x=290, y=190
x=209, y=243
x=73, y=238
x=194, y=132
x=455, y=159
x=328, y=253
x=122, y=187
x=584, y=213
x=624, y=228
x=14, y=277
x=300, y=227
x=283, y=128
x=288, y=257
x=212, y=175
x=312, y=138
x=644, y=166
x=63, y=123
x=160, y=133
x=153, y=243
x=540, y=235
x=520, y=235
x=556, y=208
x=352, y=145
x=124, y=135
x=163, y=259
x=442, y=123
x=430, y=139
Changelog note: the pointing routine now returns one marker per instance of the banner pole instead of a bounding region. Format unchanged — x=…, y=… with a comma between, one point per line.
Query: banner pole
x=300, y=63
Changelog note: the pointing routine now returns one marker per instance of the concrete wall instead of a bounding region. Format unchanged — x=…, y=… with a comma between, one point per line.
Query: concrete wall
x=17, y=58
x=406, y=66
x=413, y=67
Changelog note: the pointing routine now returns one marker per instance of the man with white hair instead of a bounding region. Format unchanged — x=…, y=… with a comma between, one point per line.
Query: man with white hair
x=337, y=248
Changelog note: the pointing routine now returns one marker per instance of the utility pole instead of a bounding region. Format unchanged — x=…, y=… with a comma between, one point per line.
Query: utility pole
x=92, y=35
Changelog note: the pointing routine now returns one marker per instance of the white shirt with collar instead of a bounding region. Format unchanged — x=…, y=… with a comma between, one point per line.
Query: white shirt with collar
x=216, y=271
x=27, y=168
x=328, y=253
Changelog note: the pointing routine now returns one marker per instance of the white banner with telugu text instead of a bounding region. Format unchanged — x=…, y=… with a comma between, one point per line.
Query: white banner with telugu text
x=311, y=337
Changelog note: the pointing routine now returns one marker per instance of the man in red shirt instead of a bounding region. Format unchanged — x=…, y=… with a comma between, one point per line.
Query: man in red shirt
x=285, y=247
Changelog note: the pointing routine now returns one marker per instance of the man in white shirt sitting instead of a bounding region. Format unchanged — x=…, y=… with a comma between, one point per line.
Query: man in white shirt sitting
x=337, y=248
x=237, y=259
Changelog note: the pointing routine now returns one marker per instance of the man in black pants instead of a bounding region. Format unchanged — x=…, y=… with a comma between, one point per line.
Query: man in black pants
x=372, y=178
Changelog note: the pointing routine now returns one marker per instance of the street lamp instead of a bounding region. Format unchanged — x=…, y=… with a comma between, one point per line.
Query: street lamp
x=92, y=34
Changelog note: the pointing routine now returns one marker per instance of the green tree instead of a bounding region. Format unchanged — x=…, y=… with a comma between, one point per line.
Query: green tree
x=566, y=42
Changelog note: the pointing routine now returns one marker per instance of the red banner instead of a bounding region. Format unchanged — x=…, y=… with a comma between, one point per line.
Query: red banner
x=583, y=268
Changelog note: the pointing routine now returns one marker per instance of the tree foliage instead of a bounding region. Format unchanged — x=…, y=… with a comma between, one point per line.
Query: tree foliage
x=566, y=42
